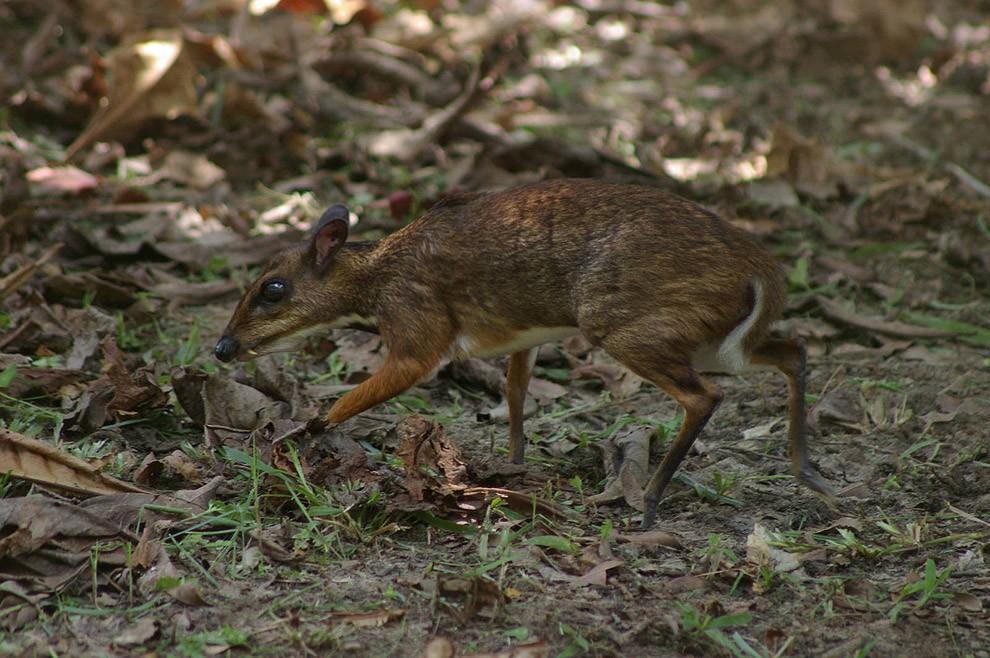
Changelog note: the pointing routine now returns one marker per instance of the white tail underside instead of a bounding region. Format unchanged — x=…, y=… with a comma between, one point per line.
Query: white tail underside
x=730, y=356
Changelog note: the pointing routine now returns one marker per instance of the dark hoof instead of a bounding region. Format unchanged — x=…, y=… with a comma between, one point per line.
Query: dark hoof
x=810, y=478
x=649, y=516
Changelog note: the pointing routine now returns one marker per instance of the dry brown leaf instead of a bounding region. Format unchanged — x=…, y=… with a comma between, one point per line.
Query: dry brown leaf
x=374, y=618
x=40, y=462
x=967, y=602
x=47, y=542
x=425, y=449
x=760, y=553
x=131, y=392
x=544, y=391
x=803, y=162
x=37, y=520
x=476, y=373
x=153, y=75
x=190, y=169
x=439, y=647
x=472, y=594
x=138, y=634
x=88, y=327
x=597, y=575
x=405, y=144
x=840, y=406
x=193, y=293
x=230, y=405
x=187, y=593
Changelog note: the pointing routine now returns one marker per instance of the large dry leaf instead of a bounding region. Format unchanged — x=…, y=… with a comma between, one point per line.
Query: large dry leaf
x=47, y=542
x=39, y=462
x=39, y=519
x=627, y=465
x=152, y=76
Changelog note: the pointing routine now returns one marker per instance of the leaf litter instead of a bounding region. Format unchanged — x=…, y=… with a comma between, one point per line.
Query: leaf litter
x=170, y=163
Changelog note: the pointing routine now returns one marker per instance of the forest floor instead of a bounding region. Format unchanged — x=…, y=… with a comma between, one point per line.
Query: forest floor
x=158, y=502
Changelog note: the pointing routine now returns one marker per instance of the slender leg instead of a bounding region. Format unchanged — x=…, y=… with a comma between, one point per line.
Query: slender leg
x=790, y=358
x=664, y=365
x=516, y=383
x=396, y=375
x=699, y=398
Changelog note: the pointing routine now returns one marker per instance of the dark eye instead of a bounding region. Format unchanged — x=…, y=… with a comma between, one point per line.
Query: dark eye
x=273, y=291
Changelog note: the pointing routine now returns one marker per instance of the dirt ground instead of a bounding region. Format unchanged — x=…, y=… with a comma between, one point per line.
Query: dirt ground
x=161, y=503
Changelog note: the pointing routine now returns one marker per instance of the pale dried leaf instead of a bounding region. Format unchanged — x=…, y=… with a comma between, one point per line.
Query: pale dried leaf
x=62, y=179
x=138, y=634
x=40, y=462
x=597, y=575
x=759, y=552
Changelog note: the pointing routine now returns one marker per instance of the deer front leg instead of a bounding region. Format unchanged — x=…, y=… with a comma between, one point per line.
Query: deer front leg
x=396, y=375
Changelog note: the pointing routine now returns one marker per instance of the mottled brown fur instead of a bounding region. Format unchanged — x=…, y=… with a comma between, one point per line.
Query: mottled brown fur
x=646, y=275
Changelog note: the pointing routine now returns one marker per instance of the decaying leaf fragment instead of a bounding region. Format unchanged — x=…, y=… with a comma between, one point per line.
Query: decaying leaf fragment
x=426, y=450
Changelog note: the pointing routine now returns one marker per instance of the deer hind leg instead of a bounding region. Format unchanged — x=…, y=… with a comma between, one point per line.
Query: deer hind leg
x=671, y=371
x=789, y=357
x=516, y=384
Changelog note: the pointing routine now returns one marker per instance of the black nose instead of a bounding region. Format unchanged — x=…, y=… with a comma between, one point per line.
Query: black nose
x=226, y=348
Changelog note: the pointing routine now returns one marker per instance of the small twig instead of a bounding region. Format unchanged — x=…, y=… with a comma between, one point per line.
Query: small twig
x=236, y=430
x=18, y=277
x=406, y=144
x=423, y=86
x=966, y=515
x=925, y=153
x=328, y=101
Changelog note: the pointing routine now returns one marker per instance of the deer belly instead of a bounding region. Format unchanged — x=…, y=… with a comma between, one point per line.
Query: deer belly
x=485, y=344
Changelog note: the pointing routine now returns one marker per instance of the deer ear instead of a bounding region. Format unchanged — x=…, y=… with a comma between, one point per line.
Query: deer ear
x=328, y=235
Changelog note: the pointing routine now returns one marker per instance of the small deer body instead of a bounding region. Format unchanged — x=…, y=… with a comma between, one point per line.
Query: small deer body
x=661, y=284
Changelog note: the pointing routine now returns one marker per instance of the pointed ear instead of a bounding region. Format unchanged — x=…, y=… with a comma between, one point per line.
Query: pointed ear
x=328, y=235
